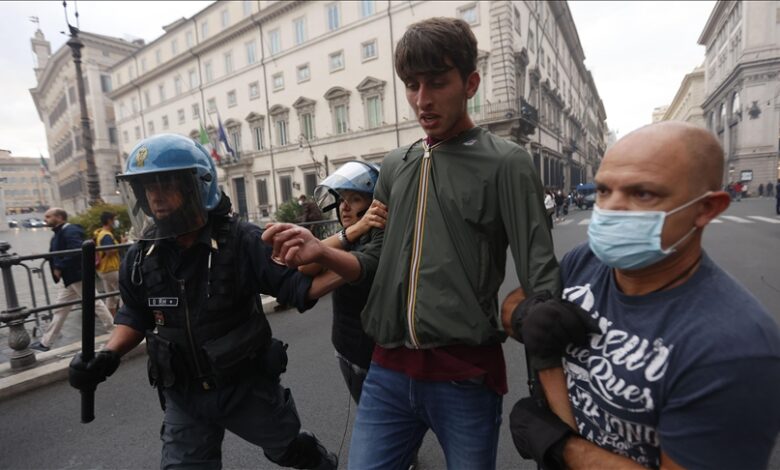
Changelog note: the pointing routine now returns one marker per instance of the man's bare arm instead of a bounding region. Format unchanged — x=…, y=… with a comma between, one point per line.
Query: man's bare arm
x=581, y=454
x=123, y=339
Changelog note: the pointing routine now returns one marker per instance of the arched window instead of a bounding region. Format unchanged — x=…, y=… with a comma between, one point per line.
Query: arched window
x=722, y=116
x=736, y=110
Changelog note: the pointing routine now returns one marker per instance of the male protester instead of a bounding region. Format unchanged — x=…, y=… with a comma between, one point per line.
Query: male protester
x=777, y=197
x=684, y=371
x=190, y=287
x=68, y=269
x=107, y=267
x=456, y=199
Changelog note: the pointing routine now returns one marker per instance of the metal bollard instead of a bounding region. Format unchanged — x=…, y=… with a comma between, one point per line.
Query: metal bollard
x=18, y=338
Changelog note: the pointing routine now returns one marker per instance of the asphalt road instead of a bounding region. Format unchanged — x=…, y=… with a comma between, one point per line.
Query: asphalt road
x=41, y=429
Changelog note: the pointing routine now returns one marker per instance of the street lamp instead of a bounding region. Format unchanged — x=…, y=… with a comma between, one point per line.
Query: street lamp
x=75, y=44
x=317, y=164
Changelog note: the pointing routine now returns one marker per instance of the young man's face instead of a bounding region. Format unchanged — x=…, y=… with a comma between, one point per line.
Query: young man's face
x=439, y=101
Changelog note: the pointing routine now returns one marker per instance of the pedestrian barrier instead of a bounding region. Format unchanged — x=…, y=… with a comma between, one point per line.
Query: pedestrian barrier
x=16, y=316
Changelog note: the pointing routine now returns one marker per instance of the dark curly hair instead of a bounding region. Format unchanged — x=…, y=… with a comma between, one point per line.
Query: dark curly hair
x=428, y=45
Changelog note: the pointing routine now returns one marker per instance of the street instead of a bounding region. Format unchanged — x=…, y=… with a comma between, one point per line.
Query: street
x=41, y=429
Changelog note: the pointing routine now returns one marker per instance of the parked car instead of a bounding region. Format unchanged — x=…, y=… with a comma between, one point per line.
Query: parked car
x=586, y=195
x=32, y=222
x=12, y=223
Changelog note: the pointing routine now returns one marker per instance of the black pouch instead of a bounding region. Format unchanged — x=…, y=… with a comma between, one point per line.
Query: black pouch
x=227, y=353
x=273, y=362
x=162, y=354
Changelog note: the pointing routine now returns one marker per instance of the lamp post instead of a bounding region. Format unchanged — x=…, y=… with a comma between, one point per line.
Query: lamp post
x=317, y=164
x=93, y=182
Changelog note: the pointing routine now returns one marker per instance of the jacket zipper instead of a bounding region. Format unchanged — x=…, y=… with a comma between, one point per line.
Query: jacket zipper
x=193, y=350
x=414, y=268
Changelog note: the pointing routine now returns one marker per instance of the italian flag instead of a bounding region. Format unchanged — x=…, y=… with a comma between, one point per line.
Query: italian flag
x=204, y=141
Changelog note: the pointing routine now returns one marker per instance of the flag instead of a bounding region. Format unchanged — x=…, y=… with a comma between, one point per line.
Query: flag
x=204, y=141
x=222, y=136
x=44, y=166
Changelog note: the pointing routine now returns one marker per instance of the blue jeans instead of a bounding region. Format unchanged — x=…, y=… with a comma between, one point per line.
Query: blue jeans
x=396, y=411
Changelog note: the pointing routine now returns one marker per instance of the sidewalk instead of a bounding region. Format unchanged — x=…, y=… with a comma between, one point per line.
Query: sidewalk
x=52, y=366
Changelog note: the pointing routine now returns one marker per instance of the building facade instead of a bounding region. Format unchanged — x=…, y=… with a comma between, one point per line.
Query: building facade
x=26, y=186
x=741, y=102
x=686, y=105
x=57, y=101
x=302, y=87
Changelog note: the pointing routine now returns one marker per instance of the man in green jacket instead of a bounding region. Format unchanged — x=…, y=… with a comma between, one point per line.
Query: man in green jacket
x=456, y=199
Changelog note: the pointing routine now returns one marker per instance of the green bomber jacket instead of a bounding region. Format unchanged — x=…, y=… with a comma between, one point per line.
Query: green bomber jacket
x=452, y=211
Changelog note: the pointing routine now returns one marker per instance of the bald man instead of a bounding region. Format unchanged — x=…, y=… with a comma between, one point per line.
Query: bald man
x=685, y=371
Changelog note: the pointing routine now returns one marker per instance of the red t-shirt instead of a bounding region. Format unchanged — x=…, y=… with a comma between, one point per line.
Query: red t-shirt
x=456, y=362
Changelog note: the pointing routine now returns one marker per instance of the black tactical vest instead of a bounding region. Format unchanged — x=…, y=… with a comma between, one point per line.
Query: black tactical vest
x=213, y=339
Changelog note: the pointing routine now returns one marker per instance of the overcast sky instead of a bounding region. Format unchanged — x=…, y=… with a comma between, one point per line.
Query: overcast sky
x=638, y=53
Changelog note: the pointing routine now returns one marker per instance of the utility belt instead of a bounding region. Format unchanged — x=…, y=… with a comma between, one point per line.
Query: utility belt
x=244, y=353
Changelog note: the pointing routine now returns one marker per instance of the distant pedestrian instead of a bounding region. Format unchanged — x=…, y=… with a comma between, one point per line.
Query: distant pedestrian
x=761, y=190
x=107, y=262
x=68, y=269
x=738, y=190
x=769, y=188
x=777, y=197
x=549, y=207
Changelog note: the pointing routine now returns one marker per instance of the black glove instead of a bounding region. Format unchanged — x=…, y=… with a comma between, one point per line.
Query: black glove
x=539, y=434
x=86, y=375
x=547, y=327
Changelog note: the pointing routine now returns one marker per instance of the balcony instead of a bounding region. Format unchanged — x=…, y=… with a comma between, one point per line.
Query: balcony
x=518, y=109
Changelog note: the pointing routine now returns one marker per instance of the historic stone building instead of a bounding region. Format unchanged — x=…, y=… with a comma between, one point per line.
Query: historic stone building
x=57, y=101
x=302, y=87
x=24, y=184
x=686, y=105
x=742, y=87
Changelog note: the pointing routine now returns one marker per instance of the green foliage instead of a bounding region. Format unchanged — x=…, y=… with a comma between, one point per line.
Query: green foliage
x=90, y=219
x=290, y=211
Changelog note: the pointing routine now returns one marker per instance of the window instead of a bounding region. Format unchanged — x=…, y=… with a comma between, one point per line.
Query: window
x=257, y=133
x=299, y=26
x=374, y=112
x=251, y=57
x=307, y=126
x=181, y=115
x=278, y=81
x=147, y=99
x=518, y=22
x=188, y=39
x=281, y=131
x=195, y=111
x=158, y=56
x=366, y=8
x=368, y=50
x=193, y=79
x=165, y=122
x=309, y=182
x=150, y=127
x=119, y=78
x=112, y=135
x=204, y=30
x=340, y=113
x=231, y=98
x=126, y=137
x=303, y=73
x=262, y=191
x=333, y=15
x=209, y=72
x=336, y=61
x=225, y=18
x=105, y=83
x=274, y=42
x=134, y=105
x=143, y=64
x=469, y=14
x=254, y=90
x=177, y=85
x=161, y=91
x=285, y=183
x=228, y=62
x=130, y=73
x=246, y=6
x=531, y=43
x=137, y=132
x=174, y=47
x=211, y=105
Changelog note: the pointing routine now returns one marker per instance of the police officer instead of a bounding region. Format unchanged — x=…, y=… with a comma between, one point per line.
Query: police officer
x=190, y=286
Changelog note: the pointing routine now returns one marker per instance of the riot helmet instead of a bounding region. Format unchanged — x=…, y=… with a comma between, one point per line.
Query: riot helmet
x=169, y=186
x=354, y=175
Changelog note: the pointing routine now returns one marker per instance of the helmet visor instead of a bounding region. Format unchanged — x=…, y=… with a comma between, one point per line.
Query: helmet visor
x=163, y=204
x=352, y=176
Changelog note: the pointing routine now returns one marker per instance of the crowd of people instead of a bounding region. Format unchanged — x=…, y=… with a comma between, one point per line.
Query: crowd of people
x=642, y=352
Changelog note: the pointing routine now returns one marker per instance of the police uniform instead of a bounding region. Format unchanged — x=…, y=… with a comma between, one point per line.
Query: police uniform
x=210, y=347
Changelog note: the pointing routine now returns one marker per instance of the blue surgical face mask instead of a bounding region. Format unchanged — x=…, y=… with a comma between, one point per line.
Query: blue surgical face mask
x=632, y=239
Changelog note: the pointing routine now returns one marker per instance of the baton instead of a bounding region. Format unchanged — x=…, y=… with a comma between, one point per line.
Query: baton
x=88, y=324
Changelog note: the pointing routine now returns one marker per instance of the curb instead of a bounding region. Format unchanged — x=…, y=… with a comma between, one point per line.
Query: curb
x=52, y=366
